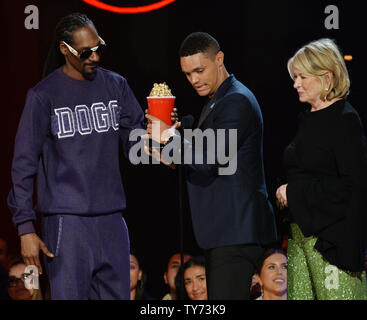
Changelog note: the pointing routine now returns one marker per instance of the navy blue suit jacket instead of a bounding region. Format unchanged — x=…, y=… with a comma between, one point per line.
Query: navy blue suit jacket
x=232, y=209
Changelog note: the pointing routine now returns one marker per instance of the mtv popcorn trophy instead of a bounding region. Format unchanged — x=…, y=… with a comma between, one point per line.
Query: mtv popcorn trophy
x=160, y=105
x=161, y=102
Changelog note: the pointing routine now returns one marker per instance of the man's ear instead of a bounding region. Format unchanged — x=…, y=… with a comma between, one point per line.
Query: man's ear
x=219, y=58
x=165, y=278
x=63, y=48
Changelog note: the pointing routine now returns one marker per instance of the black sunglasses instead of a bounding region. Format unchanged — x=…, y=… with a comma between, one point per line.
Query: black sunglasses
x=87, y=53
x=13, y=281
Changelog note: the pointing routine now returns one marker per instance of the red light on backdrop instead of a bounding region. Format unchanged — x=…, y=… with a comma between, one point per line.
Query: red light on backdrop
x=129, y=10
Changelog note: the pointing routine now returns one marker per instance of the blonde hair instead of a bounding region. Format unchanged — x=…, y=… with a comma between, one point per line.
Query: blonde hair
x=316, y=59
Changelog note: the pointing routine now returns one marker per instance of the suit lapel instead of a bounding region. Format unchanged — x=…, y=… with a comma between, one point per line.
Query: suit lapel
x=219, y=94
x=206, y=111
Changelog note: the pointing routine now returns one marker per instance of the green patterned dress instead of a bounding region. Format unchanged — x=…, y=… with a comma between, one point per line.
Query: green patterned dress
x=310, y=277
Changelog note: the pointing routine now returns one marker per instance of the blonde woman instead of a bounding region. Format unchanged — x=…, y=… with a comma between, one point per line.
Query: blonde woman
x=327, y=174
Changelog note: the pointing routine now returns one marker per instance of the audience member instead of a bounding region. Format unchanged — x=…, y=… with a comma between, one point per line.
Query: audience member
x=194, y=280
x=271, y=276
x=16, y=286
x=174, y=264
x=138, y=280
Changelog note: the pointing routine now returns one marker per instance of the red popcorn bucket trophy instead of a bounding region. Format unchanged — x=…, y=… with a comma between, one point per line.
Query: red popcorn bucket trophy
x=161, y=102
x=161, y=108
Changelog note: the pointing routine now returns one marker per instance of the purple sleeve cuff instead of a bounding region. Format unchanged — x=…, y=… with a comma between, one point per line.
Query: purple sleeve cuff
x=26, y=227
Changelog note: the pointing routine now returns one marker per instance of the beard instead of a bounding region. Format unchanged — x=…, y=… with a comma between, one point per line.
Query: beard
x=89, y=73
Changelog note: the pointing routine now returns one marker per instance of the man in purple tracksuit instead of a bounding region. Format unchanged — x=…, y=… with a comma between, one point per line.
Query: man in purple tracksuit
x=68, y=137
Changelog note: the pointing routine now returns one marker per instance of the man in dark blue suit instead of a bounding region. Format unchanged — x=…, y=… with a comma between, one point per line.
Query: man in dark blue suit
x=232, y=217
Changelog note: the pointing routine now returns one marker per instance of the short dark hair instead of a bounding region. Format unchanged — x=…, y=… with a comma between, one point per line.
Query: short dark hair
x=199, y=42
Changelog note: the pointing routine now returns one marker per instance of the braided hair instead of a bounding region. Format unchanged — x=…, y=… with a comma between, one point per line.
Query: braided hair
x=64, y=32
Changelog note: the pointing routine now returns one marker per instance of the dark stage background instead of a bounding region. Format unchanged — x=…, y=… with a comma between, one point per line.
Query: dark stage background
x=257, y=38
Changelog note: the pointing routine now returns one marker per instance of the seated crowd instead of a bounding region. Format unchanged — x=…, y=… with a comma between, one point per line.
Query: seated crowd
x=184, y=282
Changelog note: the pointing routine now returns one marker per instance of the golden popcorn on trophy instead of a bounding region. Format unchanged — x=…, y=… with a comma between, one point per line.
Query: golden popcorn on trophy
x=161, y=102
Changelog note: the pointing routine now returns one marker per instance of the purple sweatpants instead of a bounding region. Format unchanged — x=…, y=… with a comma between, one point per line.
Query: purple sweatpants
x=92, y=256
